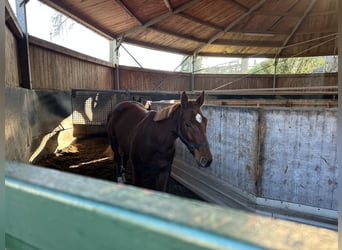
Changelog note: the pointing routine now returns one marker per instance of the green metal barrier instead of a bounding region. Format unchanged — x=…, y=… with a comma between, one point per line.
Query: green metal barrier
x=48, y=209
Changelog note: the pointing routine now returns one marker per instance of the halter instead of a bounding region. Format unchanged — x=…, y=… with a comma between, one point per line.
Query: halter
x=191, y=146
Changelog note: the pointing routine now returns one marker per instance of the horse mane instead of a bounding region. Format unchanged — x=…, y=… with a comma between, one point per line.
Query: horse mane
x=166, y=112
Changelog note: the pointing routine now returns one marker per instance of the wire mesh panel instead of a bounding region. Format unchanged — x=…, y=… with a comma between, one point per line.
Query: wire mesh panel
x=91, y=108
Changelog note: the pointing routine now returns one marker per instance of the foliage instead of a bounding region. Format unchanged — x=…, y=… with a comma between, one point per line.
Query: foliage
x=61, y=24
x=236, y=66
x=299, y=65
x=302, y=65
x=187, y=64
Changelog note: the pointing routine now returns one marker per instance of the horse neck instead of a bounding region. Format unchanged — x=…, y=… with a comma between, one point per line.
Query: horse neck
x=172, y=124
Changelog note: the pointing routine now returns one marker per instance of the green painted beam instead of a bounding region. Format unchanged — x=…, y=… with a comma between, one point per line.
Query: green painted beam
x=48, y=209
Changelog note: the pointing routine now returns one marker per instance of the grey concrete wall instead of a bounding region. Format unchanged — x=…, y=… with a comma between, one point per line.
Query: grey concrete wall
x=284, y=154
x=29, y=116
x=280, y=158
x=232, y=134
x=298, y=156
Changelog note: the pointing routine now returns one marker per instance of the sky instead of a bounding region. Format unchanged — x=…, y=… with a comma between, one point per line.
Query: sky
x=86, y=41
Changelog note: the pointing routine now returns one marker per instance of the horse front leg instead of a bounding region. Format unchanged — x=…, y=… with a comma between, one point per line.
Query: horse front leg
x=163, y=179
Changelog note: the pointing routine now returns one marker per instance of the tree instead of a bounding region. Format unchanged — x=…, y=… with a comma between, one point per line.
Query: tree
x=303, y=65
x=265, y=67
x=187, y=61
x=331, y=64
x=60, y=25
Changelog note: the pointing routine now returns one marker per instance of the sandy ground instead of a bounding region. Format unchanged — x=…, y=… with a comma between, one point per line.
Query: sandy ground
x=91, y=157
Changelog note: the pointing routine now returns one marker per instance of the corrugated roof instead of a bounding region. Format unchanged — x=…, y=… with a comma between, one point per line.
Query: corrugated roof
x=262, y=28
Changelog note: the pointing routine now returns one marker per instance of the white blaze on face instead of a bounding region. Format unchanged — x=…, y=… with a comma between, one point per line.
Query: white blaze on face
x=198, y=118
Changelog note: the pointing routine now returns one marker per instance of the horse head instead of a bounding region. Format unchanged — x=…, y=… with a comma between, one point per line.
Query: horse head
x=192, y=126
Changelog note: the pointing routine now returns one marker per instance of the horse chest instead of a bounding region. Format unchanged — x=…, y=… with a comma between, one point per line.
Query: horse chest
x=153, y=151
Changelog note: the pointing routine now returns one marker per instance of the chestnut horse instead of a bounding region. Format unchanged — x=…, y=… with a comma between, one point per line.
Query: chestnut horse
x=147, y=138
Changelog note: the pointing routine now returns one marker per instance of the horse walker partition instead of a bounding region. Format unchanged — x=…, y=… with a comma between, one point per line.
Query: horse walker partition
x=277, y=161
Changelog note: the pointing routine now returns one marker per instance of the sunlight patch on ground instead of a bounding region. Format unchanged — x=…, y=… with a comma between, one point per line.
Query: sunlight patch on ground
x=64, y=132
x=89, y=162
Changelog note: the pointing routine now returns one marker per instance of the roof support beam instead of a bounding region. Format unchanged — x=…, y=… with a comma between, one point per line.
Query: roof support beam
x=160, y=17
x=168, y=5
x=230, y=26
x=65, y=9
x=197, y=20
x=127, y=9
x=306, y=13
x=237, y=4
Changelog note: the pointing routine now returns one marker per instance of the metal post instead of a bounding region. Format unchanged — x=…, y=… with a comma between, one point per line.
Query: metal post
x=275, y=73
x=339, y=127
x=193, y=61
x=23, y=46
x=114, y=58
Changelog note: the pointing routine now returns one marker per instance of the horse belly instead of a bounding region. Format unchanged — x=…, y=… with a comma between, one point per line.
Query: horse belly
x=123, y=120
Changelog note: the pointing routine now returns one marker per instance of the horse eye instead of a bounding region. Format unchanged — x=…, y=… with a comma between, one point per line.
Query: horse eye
x=188, y=124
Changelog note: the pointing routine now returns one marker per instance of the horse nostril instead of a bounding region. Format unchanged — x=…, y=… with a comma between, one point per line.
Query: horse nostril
x=203, y=162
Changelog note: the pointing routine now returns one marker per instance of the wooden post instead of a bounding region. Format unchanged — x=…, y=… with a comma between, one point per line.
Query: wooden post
x=23, y=46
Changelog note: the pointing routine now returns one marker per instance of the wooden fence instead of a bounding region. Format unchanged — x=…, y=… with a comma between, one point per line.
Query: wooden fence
x=143, y=79
x=12, y=76
x=55, y=67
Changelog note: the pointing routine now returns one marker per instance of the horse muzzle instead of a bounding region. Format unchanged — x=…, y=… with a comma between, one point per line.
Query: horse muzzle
x=202, y=154
x=204, y=162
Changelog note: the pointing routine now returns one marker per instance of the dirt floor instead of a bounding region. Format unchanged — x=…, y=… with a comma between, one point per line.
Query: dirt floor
x=92, y=157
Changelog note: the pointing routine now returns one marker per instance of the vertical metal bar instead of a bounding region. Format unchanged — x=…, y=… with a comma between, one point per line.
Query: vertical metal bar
x=275, y=73
x=23, y=46
x=114, y=58
x=193, y=61
x=339, y=127
x=116, y=77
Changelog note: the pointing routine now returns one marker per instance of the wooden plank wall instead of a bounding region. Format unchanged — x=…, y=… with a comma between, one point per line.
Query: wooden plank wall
x=55, y=67
x=207, y=81
x=305, y=80
x=144, y=79
x=12, y=75
x=236, y=81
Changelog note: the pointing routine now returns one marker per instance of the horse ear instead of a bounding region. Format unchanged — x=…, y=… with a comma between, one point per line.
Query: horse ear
x=184, y=100
x=200, y=99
